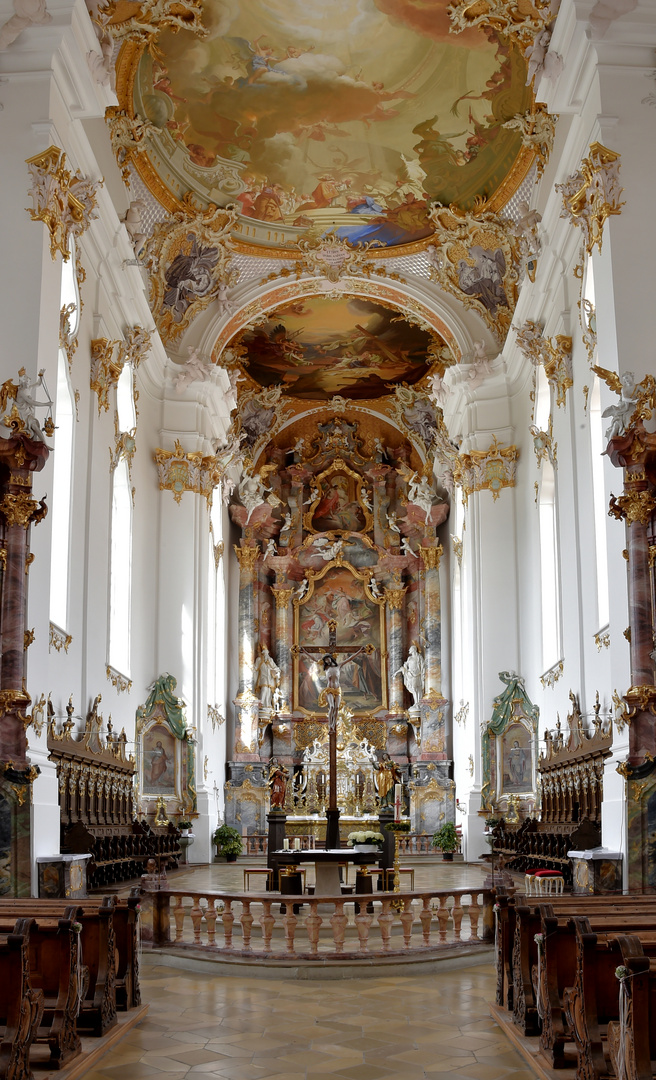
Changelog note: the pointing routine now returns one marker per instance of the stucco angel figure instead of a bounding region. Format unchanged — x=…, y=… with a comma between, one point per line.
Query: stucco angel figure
x=392, y=523
x=365, y=499
x=270, y=548
x=196, y=369
x=541, y=61
x=26, y=404
x=374, y=588
x=421, y=493
x=326, y=549
x=302, y=592
x=405, y=546
x=438, y=389
x=266, y=678
x=252, y=493
x=414, y=674
x=621, y=414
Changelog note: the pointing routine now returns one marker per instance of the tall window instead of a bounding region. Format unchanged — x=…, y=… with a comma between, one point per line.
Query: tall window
x=216, y=609
x=120, y=569
x=549, y=568
x=120, y=574
x=597, y=447
x=62, y=478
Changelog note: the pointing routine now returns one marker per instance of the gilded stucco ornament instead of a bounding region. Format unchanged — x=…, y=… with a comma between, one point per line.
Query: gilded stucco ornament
x=491, y=469
x=189, y=258
x=637, y=400
x=22, y=509
x=551, y=677
x=634, y=506
x=108, y=359
x=120, y=683
x=152, y=17
x=180, y=471
x=128, y=137
x=260, y=416
x=64, y=201
x=332, y=258
x=537, y=128
x=516, y=20
x=59, y=639
x=66, y=340
x=554, y=354
x=456, y=542
x=544, y=444
x=478, y=258
x=592, y=194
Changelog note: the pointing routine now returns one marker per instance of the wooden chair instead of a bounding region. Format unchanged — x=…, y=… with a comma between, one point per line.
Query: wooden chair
x=389, y=877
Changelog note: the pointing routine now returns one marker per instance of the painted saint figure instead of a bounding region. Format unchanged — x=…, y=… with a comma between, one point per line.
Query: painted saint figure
x=389, y=774
x=159, y=762
x=278, y=777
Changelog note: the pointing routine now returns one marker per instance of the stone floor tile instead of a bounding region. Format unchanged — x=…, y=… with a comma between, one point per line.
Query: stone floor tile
x=199, y=1057
x=364, y=1072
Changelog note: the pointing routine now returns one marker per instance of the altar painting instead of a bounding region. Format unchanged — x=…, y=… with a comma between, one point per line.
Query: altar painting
x=159, y=761
x=339, y=617
x=337, y=506
x=516, y=763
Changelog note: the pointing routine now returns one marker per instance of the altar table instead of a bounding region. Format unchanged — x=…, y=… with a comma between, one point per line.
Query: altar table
x=326, y=864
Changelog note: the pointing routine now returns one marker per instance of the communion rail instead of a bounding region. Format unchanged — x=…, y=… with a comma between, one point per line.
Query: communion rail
x=306, y=927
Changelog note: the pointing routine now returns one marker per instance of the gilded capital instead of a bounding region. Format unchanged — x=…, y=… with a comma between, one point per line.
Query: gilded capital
x=282, y=596
x=394, y=597
x=22, y=509
x=247, y=556
x=634, y=506
x=431, y=556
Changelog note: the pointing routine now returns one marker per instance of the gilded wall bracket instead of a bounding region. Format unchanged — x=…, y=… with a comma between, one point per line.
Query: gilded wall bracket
x=592, y=194
x=64, y=201
x=554, y=354
x=491, y=469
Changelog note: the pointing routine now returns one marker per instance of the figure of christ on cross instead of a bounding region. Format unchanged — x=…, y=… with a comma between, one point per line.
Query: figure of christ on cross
x=331, y=695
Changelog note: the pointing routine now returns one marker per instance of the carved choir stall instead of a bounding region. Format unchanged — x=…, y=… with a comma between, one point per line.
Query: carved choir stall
x=570, y=784
x=344, y=589
x=96, y=799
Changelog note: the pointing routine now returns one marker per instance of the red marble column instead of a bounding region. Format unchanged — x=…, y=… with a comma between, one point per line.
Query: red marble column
x=19, y=458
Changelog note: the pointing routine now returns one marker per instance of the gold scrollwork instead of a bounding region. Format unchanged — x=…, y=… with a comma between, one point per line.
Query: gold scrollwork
x=592, y=194
x=247, y=556
x=59, y=639
x=180, y=471
x=117, y=680
x=490, y=470
x=21, y=509
x=431, y=556
x=394, y=598
x=281, y=595
x=634, y=506
x=554, y=354
x=65, y=202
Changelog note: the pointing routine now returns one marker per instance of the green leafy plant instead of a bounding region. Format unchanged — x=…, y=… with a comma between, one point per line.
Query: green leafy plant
x=492, y=822
x=185, y=825
x=446, y=837
x=227, y=840
x=398, y=826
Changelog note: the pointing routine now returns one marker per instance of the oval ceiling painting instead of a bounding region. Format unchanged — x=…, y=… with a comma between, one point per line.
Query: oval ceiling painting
x=318, y=116
x=320, y=347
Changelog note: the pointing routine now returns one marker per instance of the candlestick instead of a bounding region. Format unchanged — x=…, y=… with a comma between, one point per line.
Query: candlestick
x=397, y=802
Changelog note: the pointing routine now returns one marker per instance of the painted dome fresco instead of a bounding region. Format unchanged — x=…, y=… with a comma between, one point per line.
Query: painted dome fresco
x=281, y=109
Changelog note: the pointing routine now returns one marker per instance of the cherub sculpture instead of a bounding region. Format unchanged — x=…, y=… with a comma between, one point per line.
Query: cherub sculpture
x=620, y=414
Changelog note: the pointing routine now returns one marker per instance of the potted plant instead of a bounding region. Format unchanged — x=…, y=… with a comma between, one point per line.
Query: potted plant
x=446, y=839
x=185, y=826
x=228, y=842
x=365, y=840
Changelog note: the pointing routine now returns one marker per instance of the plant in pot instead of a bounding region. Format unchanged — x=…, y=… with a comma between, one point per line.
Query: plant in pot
x=365, y=840
x=446, y=839
x=228, y=842
x=185, y=826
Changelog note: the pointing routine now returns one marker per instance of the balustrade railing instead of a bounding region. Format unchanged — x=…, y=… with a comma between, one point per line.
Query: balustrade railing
x=307, y=927
x=409, y=843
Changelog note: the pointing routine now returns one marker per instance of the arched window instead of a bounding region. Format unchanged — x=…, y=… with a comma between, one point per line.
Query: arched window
x=62, y=475
x=216, y=672
x=549, y=577
x=542, y=400
x=120, y=572
x=597, y=447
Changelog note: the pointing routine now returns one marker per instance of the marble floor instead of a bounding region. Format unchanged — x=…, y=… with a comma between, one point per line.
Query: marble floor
x=400, y=1027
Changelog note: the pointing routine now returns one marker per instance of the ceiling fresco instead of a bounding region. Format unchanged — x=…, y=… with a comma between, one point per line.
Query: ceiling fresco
x=318, y=347
x=316, y=117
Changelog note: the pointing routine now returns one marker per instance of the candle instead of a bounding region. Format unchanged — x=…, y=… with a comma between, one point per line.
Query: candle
x=297, y=843
x=397, y=802
x=285, y=844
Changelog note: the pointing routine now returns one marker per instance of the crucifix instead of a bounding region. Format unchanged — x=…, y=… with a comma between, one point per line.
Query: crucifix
x=331, y=696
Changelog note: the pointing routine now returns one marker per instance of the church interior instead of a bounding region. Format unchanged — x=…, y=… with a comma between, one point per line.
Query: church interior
x=327, y=539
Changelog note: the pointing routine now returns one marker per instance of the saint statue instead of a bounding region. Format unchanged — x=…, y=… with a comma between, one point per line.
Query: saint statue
x=414, y=673
x=267, y=678
x=278, y=777
x=389, y=774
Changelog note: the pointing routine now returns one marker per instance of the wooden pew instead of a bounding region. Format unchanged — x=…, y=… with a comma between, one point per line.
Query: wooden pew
x=21, y=1006
x=126, y=927
x=637, y=1042
x=98, y=940
x=556, y=971
x=528, y=923
x=593, y=1002
x=55, y=970
x=504, y=936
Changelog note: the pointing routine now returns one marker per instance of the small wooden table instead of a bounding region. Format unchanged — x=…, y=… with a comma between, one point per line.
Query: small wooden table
x=326, y=864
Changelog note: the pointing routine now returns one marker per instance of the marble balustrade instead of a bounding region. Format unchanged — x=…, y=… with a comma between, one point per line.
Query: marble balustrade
x=267, y=926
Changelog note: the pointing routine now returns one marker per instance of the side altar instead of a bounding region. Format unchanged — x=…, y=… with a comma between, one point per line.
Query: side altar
x=339, y=586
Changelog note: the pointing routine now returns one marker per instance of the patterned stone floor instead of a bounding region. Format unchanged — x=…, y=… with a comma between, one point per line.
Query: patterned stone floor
x=405, y=1027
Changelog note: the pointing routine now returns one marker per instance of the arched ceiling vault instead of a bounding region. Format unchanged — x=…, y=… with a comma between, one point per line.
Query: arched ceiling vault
x=332, y=198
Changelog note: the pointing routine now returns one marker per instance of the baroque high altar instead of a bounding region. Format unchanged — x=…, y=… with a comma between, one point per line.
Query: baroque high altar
x=339, y=556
